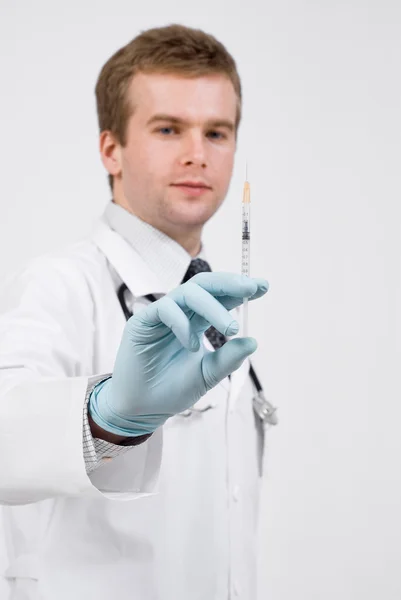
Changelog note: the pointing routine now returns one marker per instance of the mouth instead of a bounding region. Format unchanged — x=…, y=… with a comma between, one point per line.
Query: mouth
x=192, y=188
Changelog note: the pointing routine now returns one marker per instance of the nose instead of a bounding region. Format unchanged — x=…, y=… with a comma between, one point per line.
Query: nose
x=194, y=150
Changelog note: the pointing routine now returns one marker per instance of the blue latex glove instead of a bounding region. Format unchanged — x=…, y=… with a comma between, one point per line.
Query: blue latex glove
x=162, y=368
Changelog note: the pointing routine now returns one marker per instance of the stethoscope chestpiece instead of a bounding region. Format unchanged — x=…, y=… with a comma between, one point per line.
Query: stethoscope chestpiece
x=264, y=410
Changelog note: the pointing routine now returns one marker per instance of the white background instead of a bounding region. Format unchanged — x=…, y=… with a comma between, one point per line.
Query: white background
x=321, y=131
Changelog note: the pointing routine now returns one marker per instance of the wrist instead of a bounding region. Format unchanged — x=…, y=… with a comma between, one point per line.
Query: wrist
x=118, y=440
x=101, y=434
x=111, y=426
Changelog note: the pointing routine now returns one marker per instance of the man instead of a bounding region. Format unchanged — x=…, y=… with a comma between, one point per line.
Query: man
x=130, y=453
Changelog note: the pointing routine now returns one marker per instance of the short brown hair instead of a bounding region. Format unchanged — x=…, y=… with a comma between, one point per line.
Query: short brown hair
x=174, y=49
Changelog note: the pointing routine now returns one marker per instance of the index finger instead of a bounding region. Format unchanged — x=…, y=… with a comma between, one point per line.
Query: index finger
x=226, y=284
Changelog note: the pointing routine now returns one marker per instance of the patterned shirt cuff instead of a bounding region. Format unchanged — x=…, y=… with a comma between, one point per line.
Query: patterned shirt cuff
x=97, y=452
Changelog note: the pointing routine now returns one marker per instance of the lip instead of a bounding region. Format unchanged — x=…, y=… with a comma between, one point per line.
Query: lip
x=192, y=183
x=189, y=189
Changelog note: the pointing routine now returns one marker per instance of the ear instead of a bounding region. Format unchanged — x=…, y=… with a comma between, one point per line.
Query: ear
x=110, y=152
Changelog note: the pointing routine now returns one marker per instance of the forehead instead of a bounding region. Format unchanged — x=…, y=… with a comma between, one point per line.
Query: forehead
x=191, y=98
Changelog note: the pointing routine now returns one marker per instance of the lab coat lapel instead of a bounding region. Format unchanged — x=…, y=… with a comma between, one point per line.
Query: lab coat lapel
x=238, y=379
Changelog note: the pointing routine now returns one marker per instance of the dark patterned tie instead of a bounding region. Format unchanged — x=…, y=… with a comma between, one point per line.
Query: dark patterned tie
x=198, y=265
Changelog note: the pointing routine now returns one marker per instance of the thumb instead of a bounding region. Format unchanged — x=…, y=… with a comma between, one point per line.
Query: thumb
x=221, y=363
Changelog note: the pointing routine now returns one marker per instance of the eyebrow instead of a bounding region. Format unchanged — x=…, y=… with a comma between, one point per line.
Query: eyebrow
x=178, y=121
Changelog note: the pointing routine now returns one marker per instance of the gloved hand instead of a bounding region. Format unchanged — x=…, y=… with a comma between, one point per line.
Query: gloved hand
x=161, y=367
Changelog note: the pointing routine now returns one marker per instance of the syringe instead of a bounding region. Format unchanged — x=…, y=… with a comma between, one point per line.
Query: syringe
x=246, y=245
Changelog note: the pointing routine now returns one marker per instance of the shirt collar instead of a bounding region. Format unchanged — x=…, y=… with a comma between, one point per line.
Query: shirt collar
x=147, y=260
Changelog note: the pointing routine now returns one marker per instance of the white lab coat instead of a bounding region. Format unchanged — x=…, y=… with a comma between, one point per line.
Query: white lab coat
x=172, y=519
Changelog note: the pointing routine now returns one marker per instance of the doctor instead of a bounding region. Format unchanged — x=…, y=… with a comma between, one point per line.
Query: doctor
x=130, y=453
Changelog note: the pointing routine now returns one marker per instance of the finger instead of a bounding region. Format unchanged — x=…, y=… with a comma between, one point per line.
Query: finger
x=262, y=288
x=219, y=364
x=192, y=296
x=226, y=284
x=168, y=312
x=229, y=302
x=198, y=324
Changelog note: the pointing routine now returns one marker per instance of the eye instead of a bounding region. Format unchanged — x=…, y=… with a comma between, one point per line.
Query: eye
x=166, y=130
x=216, y=135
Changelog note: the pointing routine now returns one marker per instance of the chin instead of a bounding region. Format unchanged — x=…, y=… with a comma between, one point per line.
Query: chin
x=185, y=211
x=193, y=212
x=193, y=217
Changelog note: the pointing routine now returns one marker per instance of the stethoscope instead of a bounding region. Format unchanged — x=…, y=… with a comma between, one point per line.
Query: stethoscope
x=262, y=407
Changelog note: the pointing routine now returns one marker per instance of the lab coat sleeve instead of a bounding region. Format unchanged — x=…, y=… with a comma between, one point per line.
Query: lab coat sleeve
x=46, y=336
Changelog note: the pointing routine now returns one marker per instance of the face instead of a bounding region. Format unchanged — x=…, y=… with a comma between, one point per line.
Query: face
x=176, y=167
